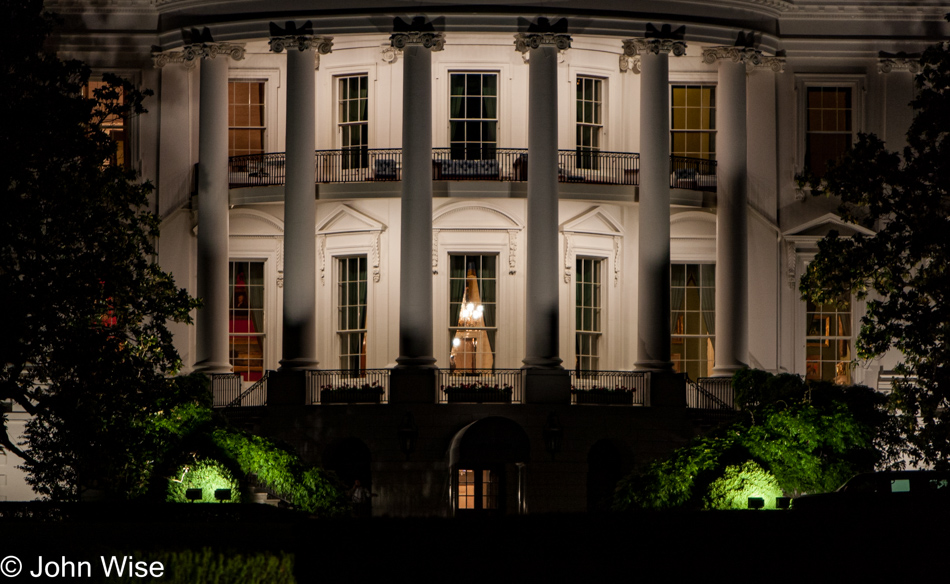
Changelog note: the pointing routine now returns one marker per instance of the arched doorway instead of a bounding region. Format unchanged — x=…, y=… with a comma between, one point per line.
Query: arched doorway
x=487, y=460
x=351, y=460
x=605, y=467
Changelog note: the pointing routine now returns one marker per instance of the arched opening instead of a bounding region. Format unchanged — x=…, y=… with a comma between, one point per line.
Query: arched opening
x=351, y=460
x=605, y=467
x=487, y=460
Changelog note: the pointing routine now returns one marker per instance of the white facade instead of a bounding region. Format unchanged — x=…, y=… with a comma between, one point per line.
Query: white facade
x=798, y=46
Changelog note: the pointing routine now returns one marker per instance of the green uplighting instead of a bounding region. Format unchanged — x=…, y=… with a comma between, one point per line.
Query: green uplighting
x=207, y=475
x=739, y=482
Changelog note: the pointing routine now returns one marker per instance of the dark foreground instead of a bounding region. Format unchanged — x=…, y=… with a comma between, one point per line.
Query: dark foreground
x=656, y=547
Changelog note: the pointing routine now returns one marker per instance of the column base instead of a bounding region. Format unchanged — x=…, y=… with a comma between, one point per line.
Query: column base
x=412, y=385
x=553, y=363
x=547, y=386
x=212, y=367
x=298, y=364
x=667, y=390
x=657, y=366
x=728, y=370
x=286, y=388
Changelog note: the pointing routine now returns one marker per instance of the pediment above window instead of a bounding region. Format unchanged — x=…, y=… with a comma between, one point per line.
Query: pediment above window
x=469, y=216
x=346, y=219
x=821, y=226
x=594, y=221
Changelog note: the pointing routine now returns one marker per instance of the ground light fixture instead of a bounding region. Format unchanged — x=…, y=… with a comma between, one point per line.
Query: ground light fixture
x=222, y=495
x=756, y=502
x=193, y=494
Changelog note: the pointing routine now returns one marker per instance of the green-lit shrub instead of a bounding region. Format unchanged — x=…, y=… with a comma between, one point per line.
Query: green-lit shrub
x=207, y=475
x=739, y=482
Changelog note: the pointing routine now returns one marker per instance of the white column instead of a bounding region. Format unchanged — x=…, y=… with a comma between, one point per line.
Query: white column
x=541, y=282
x=299, y=346
x=415, y=280
x=731, y=229
x=212, y=318
x=653, y=292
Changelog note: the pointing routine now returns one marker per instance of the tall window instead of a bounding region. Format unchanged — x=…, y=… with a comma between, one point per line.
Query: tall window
x=352, y=313
x=246, y=319
x=354, y=120
x=472, y=309
x=693, y=303
x=473, y=115
x=246, y=125
x=829, y=119
x=113, y=125
x=693, y=120
x=590, y=125
x=587, y=315
x=828, y=341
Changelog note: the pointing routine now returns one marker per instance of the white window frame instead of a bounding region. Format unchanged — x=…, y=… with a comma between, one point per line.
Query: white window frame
x=274, y=129
x=857, y=83
x=442, y=94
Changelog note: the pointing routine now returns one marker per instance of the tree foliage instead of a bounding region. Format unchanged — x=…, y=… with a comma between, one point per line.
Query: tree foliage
x=902, y=270
x=811, y=437
x=86, y=350
x=194, y=436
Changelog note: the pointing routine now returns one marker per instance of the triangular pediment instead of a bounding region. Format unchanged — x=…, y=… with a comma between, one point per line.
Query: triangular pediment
x=595, y=221
x=821, y=226
x=346, y=219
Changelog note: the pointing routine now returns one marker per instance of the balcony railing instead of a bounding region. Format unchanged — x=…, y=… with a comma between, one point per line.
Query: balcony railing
x=697, y=174
x=497, y=164
x=610, y=387
x=481, y=386
x=710, y=393
x=335, y=386
x=228, y=392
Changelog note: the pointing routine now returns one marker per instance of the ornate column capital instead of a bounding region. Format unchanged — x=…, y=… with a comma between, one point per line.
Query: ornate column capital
x=301, y=38
x=637, y=47
x=525, y=41
x=202, y=46
x=888, y=62
x=751, y=57
x=428, y=40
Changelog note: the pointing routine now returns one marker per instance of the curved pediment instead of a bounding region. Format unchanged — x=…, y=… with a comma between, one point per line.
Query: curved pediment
x=346, y=219
x=251, y=223
x=474, y=216
x=693, y=225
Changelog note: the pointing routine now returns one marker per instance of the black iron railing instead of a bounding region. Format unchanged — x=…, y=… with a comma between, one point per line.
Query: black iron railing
x=697, y=174
x=336, y=386
x=610, y=387
x=710, y=393
x=481, y=386
x=385, y=164
x=225, y=388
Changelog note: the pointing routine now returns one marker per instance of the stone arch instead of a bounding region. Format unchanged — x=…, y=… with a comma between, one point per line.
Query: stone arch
x=486, y=461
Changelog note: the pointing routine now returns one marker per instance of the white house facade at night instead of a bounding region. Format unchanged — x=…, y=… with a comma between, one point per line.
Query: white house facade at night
x=554, y=199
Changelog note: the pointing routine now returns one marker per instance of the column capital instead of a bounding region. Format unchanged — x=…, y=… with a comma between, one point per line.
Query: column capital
x=525, y=41
x=429, y=40
x=888, y=62
x=189, y=54
x=301, y=38
x=751, y=57
x=637, y=47
x=323, y=45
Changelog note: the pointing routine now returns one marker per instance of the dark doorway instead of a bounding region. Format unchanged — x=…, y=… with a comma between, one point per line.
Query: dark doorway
x=604, y=470
x=351, y=460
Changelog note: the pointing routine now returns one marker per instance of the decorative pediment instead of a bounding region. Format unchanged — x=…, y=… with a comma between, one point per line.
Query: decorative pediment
x=594, y=221
x=346, y=219
x=473, y=216
x=693, y=225
x=251, y=223
x=819, y=227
